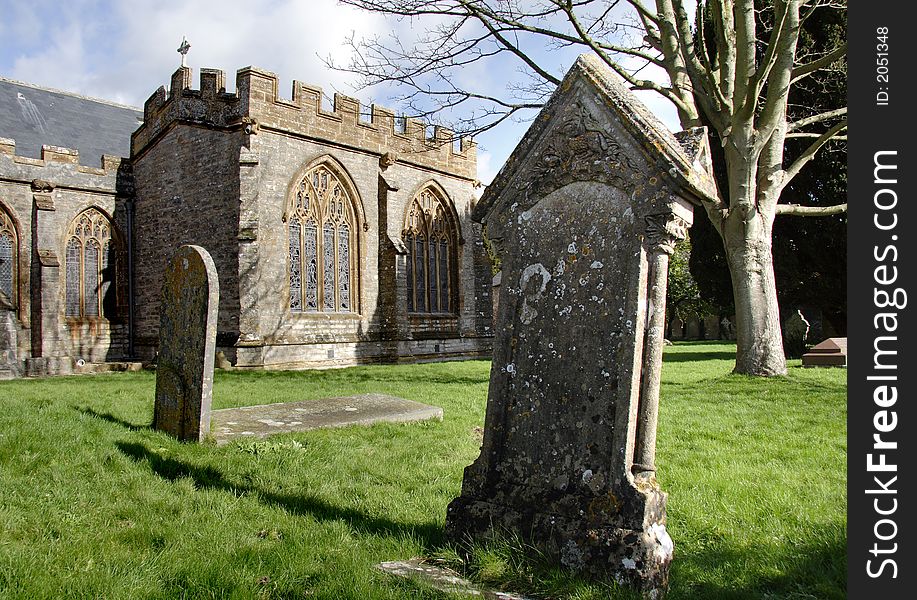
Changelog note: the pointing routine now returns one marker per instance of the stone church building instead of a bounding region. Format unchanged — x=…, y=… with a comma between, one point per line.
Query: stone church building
x=340, y=236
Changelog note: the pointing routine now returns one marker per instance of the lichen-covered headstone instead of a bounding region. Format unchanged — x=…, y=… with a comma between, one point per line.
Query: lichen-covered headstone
x=187, y=337
x=585, y=215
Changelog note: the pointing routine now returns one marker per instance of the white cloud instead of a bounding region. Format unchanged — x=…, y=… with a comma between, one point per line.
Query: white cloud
x=486, y=169
x=123, y=51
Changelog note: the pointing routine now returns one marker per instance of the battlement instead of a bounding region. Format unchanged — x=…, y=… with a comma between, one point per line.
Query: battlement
x=55, y=155
x=257, y=106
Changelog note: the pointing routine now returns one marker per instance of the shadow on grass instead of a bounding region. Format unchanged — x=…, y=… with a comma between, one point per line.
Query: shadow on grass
x=112, y=419
x=673, y=357
x=357, y=375
x=816, y=569
x=430, y=535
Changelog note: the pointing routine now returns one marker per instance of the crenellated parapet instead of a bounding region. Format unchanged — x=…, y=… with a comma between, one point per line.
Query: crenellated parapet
x=61, y=167
x=257, y=106
x=209, y=106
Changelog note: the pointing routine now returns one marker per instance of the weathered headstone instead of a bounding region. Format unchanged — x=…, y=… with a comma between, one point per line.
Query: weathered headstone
x=692, y=329
x=187, y=338
x=678, y=329
x=585, y=215
x=711, y=328
x=795, y=334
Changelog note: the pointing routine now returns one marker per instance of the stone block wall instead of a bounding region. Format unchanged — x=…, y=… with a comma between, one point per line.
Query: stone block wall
x=218, y=170
x=187, y=192
x=42, y=197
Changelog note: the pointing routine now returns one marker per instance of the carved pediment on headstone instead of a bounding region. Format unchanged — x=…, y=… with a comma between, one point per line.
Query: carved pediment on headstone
x=594, y=129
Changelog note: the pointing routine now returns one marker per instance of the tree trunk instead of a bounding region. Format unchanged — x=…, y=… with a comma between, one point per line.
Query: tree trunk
x=759, y=341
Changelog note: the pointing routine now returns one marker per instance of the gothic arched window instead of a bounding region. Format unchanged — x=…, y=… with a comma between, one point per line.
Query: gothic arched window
x=322, y=226
x=8, y=256
x=92, y=262
x=432, y=267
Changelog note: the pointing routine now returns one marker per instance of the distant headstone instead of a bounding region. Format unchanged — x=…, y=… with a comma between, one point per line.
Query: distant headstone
x=795, y=334
x=711, y=328
x=692, y=329
x=585, y=215
x=727, y=332
x=830, y=353
x=678, y=329
x=187, y=337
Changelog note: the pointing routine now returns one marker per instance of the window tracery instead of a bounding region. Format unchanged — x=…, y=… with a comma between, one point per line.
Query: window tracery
x=8, y=255
x=93, y=271
x=323, y=241
x=432, y=267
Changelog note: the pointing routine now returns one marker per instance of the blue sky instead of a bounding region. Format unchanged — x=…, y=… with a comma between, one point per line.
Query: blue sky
x=123, y=50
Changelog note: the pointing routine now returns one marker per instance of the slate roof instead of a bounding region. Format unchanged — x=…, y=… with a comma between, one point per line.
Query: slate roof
x=32, y=116
x=683, y=152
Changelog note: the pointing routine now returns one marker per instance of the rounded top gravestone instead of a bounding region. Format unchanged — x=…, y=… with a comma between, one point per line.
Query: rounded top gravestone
x=187, y=337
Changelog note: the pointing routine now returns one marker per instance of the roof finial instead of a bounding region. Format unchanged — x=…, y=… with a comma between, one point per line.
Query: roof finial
x=183, y=50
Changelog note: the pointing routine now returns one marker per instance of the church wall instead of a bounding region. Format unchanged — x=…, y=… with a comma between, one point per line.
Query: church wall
x=459, y=192
x=282, y=161
x=187, y=192
x=43, y=196
x=215, y=169
x=382, y=330
x=184, y=162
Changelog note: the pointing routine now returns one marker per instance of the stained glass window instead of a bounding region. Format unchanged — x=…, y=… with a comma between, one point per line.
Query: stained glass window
x=322, y=205
x=295, y=267
x=91, y=268
x=92, y=265
x=311, y=257
x=444, y=303
x=431, y=234
x=8, y=258
x=73, y=287
x=434, y=279
x=344, y=266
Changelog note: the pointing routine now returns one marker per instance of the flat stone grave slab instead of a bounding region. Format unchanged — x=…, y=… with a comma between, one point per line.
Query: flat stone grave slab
x=441, y=578
x=254, y=422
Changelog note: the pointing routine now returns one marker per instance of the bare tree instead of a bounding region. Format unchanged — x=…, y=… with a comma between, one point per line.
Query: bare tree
x=730, y=65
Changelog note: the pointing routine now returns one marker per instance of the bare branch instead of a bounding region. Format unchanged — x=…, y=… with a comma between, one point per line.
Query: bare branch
x=810, y=211
x=745, y=39
x=815, y=135
x=825, y=116
x=773, y=113
x=821, y=63
x=771, y=56
x=809, y=153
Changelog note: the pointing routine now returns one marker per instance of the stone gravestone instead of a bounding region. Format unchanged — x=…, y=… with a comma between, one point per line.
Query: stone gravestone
x=795, y=335
x=585, y=215
x=187, y=337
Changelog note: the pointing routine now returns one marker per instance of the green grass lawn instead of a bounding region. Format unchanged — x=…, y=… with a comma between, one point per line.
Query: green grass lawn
x=94, y=504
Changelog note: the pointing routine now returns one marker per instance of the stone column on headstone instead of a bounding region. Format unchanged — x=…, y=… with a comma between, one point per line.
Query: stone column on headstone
x=187, y=338
x=663, y=231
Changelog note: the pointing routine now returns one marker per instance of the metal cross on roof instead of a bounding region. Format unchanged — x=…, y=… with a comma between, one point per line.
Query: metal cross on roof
x=183, y=50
